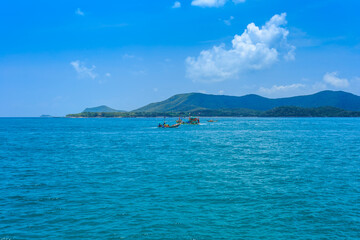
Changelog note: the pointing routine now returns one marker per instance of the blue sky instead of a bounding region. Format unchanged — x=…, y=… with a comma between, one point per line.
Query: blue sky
x=58, y=57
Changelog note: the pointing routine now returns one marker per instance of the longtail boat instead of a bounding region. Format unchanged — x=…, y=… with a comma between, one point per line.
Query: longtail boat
x=168, y=126
x=192, y=121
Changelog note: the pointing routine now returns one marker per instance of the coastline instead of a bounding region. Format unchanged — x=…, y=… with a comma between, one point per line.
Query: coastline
x=290, y=111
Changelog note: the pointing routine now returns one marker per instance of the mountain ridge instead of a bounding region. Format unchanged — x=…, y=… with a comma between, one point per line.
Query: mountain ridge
x=200, y=101
x=102, y=108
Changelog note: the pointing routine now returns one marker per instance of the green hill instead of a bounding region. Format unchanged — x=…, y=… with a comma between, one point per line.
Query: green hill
x=198, y=101
x=102, y=108
x=287, y=111
x=308, y=112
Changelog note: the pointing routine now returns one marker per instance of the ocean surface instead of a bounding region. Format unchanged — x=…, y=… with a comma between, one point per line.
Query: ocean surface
x=238, y=178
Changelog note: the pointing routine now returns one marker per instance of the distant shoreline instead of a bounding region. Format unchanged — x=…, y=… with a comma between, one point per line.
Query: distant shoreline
x=193, y=115
x=286, y=111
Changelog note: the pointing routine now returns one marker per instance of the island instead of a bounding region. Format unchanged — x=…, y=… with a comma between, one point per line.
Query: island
x=321, y=104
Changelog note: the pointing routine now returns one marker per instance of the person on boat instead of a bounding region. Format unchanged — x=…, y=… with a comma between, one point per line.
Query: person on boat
x=179, y=120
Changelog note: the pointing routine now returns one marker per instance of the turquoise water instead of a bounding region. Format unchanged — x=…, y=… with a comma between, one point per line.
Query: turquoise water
x=239, y=178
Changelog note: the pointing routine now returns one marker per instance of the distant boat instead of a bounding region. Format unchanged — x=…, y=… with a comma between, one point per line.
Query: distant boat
x=192, y=121
x=179, y=120
x=212, y=120
x=168, y=126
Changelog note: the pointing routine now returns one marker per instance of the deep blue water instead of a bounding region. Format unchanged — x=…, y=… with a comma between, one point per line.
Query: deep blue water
x=239, y=178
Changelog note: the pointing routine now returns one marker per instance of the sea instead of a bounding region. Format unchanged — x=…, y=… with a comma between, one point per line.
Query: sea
x=237, y=178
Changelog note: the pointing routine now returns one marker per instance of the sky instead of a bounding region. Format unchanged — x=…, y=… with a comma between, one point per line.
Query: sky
x=59, y=57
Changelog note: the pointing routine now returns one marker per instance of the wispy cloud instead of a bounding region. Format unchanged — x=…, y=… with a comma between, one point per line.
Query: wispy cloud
x=281, y=88
x=128, y=56
x=133, y=57
x=79, y=12
x=256, y=48
x=138, y=73
x=107, y=74
x=208, y=3
x=177, y=4
x=213, y=3
x=330, y=80
x=84, y=71
x=302, y=39
x=333, y=79
x=228, y=21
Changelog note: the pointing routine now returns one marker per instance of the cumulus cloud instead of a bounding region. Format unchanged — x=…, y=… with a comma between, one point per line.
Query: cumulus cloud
x=84, y=71
x=177, y=4
x=333, y=79
x=79, y=12
x=281, y=88
x=213, y=3
x=256, y=48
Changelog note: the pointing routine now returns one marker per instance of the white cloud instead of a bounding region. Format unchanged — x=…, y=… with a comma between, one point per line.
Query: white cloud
x=79, y=12
x=208, y=3
x=177, y=4
x=127, y=56
x=155, y=89
x=82, y=70
x=213, y=3
x=333, y=79
x=256, y=48
x=221, y=92
x=319, y=86
x=107, y=74
x=228, y=21
x=281, y=88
